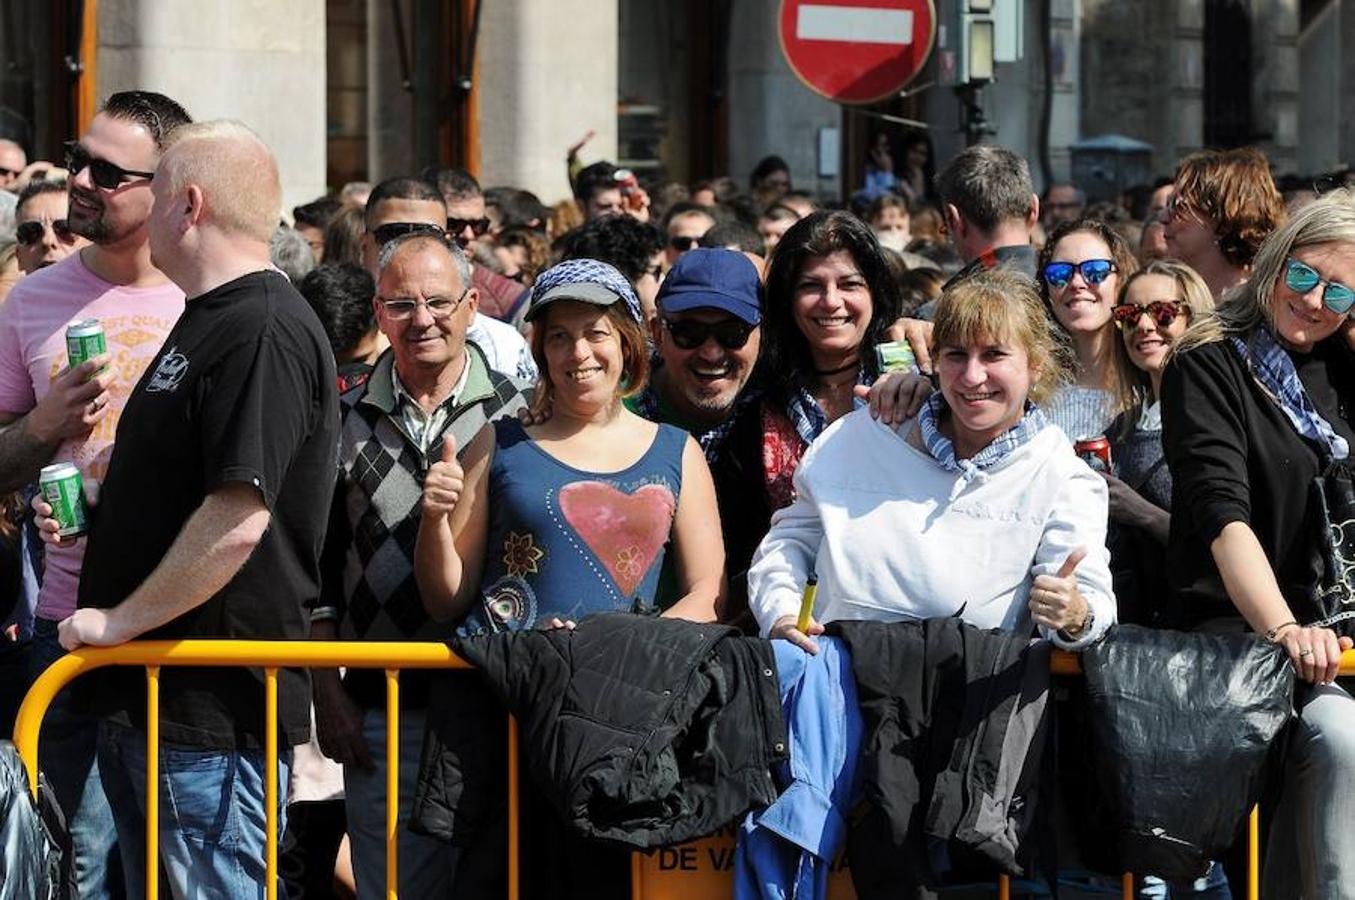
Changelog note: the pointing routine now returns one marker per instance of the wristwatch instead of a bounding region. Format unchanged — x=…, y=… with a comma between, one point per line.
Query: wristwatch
x=1087, y=623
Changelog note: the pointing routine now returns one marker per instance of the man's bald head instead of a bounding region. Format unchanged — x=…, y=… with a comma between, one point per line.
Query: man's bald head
x=235, y=172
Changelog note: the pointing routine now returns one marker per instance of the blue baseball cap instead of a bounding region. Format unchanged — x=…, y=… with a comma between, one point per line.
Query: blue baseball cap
x=585, y=280
x=710, y=278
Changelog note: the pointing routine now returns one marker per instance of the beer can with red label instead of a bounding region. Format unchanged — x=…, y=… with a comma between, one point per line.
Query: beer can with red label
x=1095, y=452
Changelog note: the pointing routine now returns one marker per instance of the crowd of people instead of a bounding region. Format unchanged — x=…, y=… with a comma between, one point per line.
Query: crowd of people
x=659, y=399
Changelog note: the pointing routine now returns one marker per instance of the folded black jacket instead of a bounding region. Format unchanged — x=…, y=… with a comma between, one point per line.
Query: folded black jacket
x=955, y=772
x=639, y=730
x=1181, y=729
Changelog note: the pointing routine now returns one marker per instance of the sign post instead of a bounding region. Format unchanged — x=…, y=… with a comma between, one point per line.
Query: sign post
x=857, y=51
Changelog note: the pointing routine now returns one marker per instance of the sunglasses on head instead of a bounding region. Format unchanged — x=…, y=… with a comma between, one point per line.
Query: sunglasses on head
x=103, y=173
x=1094, y=271
x=477, y=226
x=689, y=335
x=683, y=244
x=28, y=233
x=384, y=234
x=1302, y=278
x=1163, y=312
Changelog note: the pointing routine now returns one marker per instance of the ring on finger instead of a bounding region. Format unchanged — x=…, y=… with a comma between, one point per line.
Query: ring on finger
x=1306, y=652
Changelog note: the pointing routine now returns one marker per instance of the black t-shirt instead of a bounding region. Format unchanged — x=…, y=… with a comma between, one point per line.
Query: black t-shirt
x=1235, y=457
x=242, y=391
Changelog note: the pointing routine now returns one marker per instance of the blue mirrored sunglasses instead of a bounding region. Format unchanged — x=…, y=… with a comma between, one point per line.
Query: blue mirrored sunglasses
x=1302, y=278
x=1094, y=271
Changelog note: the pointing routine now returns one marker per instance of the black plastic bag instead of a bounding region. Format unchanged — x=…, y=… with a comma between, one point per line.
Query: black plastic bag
x=1181, y=728
x=1334, y=492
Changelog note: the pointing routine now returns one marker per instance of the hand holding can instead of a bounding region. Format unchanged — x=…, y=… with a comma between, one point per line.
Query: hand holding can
x=63, y=514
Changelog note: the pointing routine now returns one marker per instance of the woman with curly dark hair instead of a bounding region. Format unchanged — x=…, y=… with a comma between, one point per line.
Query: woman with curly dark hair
x=1224, y=205
x=830, y=298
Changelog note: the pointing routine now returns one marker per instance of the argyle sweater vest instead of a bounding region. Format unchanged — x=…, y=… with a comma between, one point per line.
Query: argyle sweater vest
x=378, y=501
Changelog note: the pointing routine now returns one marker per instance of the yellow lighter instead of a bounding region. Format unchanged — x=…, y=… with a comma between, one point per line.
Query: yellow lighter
x=807, y=604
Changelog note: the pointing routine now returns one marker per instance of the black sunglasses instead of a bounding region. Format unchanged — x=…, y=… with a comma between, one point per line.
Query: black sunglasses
x=28, y=233
x=683, y=244
x=103, y=173
x=384, y=234
x=477, y=226
x=689, y=335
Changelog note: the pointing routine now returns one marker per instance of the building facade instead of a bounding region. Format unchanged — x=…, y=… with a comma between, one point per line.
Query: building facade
x=349, y=90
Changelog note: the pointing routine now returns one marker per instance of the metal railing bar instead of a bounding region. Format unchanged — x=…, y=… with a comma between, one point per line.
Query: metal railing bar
x=270, y=791
x=392, y=783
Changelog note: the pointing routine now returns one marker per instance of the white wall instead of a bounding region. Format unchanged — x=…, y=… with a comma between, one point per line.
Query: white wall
x=262, y=63
x=547, y=73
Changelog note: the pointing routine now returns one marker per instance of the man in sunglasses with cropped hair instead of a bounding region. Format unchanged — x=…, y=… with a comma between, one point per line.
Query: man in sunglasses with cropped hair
x=706, y=338
x=50, y=412
x=467, y=222
x=43, y=235
x=405, y=205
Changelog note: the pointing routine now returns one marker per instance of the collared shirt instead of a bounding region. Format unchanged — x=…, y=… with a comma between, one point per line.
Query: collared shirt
x=419, y=424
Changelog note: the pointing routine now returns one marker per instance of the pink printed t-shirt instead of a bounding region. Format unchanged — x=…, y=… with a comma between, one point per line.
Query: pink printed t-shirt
x=33, y=351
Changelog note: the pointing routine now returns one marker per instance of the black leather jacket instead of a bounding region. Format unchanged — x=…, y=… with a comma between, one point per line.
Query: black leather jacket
x=35, y=849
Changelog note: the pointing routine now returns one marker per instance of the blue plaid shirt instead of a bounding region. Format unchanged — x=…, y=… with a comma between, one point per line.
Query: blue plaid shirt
x=1271, y=366
x=943, y=450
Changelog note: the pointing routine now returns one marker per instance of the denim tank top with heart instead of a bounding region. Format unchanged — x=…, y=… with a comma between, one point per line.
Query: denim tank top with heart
x=566, y=542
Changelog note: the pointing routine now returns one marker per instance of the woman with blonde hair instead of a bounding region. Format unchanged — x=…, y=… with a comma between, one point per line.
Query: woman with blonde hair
x=1155, y=307
x=882, y=511
x=1081, y=269
x=1257, y=423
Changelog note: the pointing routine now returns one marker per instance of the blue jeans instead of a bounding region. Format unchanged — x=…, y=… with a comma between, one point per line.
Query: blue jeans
x=212, y=815
x=1213, y=886
x=66, y=757
x=426, y=866
x=1311, y=853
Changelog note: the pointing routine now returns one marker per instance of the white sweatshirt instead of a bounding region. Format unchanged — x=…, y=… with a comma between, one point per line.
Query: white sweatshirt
x=894, y=536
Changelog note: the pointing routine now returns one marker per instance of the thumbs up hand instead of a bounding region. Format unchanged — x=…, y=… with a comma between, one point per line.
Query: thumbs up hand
x=1055, y=601
x=442, y=485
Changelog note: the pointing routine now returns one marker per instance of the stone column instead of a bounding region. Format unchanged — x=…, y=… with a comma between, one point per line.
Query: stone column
x=263, y=64
x=547, y=72
x=1275, y=80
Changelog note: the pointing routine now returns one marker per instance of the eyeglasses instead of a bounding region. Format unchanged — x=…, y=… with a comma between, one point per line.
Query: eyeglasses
x=400, y=308
x=1094, y=271
x=1302, y=278
x=682, y=244
x=384, y=234
x=477, y=226
x=1163, y=312
x=9, y=173
x=28, y=233
x=689, y=335
x=103, y=173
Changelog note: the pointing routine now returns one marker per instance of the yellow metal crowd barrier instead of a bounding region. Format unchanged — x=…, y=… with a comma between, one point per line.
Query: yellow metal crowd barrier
x=391, y=656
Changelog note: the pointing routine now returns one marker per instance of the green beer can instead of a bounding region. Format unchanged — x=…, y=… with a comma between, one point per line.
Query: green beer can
x=64, y=491
x=84, y=340
x=894, y=356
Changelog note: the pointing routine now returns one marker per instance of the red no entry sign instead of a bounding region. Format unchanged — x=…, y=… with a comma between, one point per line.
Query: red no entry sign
x=857, y=51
